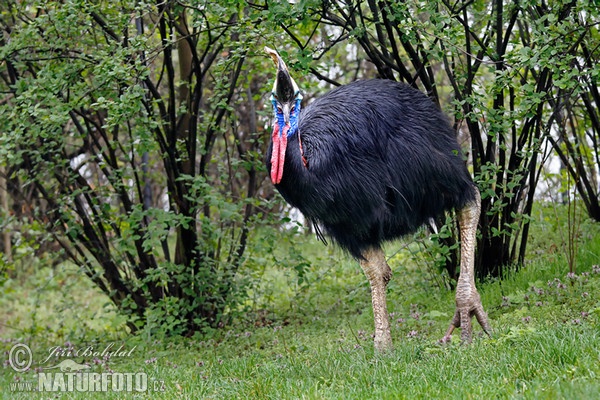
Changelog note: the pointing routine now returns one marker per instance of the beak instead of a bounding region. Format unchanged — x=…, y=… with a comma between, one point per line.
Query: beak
x=286, y=109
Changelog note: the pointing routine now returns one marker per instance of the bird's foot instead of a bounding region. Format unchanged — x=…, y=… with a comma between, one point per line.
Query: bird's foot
x=468, y=304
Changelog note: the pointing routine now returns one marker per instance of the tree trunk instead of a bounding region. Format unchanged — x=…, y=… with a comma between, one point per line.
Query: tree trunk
x=6, y=240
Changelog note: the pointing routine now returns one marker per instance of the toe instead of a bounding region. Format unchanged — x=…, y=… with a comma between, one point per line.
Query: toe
x=483, y=320
x=462, y=319
x=465, y=324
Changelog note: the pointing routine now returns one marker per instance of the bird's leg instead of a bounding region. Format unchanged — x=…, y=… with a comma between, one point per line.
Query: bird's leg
x=379, y=274
x=468, y=302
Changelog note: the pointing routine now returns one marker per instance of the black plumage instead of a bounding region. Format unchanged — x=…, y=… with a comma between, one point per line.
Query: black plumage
x=372, y=161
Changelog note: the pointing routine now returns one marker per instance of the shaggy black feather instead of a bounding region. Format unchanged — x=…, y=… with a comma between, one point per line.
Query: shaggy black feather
x=381, y=160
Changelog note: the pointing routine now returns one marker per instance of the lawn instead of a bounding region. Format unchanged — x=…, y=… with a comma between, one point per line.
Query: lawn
x=313, y=340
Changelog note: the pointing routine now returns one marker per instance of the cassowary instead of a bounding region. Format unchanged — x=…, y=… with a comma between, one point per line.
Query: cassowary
x=369, y=162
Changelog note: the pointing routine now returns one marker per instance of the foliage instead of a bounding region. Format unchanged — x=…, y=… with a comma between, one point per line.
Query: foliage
x=133, y=134
x=573, y=127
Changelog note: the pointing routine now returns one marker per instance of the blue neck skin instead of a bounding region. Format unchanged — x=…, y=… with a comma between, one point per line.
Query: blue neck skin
x=293, y=115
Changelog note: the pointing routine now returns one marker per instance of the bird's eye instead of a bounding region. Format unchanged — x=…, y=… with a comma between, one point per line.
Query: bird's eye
x=279, y=110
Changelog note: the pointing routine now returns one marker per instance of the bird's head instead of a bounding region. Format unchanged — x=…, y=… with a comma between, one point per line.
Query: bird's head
x=286, y=99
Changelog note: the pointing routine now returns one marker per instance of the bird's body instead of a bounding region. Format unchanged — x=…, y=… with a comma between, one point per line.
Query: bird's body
x=369, y=162
x=372, y=161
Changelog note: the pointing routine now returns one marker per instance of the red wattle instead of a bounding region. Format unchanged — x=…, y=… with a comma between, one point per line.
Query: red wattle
x=278, y=154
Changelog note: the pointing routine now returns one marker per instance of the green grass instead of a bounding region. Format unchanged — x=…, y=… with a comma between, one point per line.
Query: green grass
x=312, y=340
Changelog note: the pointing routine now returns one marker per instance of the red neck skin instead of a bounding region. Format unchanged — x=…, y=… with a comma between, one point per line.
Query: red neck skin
x=278, y=155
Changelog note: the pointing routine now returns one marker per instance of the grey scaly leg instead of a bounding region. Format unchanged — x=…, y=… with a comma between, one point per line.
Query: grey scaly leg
x=468, y=302
x=379, y=274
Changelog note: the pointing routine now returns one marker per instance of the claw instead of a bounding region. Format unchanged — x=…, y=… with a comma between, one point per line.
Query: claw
x=462, y=319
